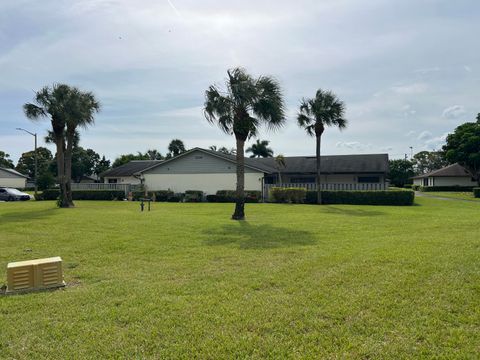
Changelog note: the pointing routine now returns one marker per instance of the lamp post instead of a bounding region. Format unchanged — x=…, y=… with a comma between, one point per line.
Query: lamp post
x=36, y=162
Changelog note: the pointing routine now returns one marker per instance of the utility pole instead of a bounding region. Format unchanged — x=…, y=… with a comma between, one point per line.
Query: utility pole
x=36, y=158
x=411, y=152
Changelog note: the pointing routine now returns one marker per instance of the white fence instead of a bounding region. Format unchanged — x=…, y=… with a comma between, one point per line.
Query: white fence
x=101, y=186
x=328, y=186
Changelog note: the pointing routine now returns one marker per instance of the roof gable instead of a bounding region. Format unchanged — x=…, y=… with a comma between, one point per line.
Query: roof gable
x=11, y=172
x=454, y=170
x=130, y=168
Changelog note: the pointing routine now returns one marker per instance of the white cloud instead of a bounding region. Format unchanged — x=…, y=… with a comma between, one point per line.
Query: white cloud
x=425, y=71
x=408, y=89
x=424, y=135
x=454, y=112
x=467, y=68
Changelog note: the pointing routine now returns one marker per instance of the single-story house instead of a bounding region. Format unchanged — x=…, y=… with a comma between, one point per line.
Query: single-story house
x=210, y=171
x=12, y=178
x=128, y=173
x=451, y=175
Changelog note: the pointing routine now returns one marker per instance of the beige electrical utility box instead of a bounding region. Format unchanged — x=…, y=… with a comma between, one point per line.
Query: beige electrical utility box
x=35, y=274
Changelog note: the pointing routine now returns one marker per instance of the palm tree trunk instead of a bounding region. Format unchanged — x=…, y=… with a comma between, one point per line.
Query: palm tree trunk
x=319, y=180
x=239, y=213
x=63, y=200
x=68, y=169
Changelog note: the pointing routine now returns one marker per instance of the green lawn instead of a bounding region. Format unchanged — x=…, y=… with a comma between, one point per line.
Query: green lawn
x=293, y=281
x=453, y=195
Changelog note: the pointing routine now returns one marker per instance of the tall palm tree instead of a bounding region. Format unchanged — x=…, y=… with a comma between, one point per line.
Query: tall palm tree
x=176, y=147
x=315, y=115
x=239, y=110
x=54, y=103
x=260, y=149
x=84, y=105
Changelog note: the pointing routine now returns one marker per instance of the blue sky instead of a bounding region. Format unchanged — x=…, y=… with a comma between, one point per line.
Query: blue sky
x=408, y=70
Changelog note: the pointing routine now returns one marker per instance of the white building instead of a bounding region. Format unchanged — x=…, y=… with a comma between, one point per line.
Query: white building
x=452, y=175
x=12, y=178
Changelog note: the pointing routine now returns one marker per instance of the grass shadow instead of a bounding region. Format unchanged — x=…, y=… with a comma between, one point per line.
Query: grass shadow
x=248, y=236
x=351, y=212
x=26, y=215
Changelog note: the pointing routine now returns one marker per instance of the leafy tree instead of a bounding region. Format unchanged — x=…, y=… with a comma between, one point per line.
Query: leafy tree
x=400, y=172
x=126, y=158
x=315, y=115
x=45, y=180
x=154, y=155
x=239, y=110
x=176, y=147
x=260, y=149
x=67, y=108
x=223, y=150
x=463, y=146
x=427, y=161
x=5, y=160
x=102, y=165
x=26, y=163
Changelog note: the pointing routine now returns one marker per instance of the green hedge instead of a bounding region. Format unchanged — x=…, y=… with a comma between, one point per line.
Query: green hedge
x=193, y=196
x=161, y=195
x=446, y=188
x=228, y=196
x=288, y=195
x=476, y=192
x=52, y=194
x=369, y=197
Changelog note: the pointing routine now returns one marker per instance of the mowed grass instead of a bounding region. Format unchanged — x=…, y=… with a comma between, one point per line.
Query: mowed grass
x=453, y=195
x=293, y=281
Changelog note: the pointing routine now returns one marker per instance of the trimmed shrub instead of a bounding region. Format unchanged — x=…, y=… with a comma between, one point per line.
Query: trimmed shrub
x=288, y=195
x=476, y=192
x=447, y=188
x=369, y=197
x=176, y=198
x=251, y=196
x=163, y=195
x=52, y=194
x=193, y=196
x=416, y=187
x=212, y=198
x=408, y=186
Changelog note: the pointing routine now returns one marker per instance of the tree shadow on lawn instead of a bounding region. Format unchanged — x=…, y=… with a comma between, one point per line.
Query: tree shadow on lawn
x=248, y=236
x=350, y=212
x=26, y=216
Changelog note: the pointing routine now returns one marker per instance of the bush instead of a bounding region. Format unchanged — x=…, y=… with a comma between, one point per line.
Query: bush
x=52, y=194
x=476, y=192
x=408, y=186
x=224, y=196
x=369, y=197
x=176, y=198
x=212, y=198
x=447, y=188
x=193, y=196
x=288, y=195
x=416, y=187
x=163, y=195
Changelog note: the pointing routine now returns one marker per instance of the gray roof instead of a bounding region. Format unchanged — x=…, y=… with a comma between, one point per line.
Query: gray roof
x=334, y=164
x=14, y=172
x=454, y=170
x=130, y=168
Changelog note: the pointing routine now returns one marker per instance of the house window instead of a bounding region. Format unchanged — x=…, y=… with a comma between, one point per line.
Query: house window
x=368, y=179
x=112, y=181
x=269, y=180
x=302, y=180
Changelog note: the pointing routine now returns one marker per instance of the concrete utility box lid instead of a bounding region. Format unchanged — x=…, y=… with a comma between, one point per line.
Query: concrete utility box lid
x=35, y=274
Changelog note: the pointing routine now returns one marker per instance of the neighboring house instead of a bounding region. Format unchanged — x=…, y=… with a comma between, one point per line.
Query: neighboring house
x=210, y=171
x=128, y=173
x=12, y=178
x=452, y=175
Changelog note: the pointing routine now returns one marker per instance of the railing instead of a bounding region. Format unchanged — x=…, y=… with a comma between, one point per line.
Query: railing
x=102, y=186
x=327, y=186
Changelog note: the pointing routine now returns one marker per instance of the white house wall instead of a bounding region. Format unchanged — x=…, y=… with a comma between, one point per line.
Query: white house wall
x=208, y=183
x=13, y=182
x=452, y=181
x=123, y=180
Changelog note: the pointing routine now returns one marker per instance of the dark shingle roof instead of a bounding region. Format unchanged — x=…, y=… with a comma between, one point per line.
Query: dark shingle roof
x=14, y=172
x=130, y=168
x=338, y=164
x=455, y=170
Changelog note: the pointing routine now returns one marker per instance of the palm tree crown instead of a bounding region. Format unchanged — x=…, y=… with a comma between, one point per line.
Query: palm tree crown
x=260, y=149
x=322, y=111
